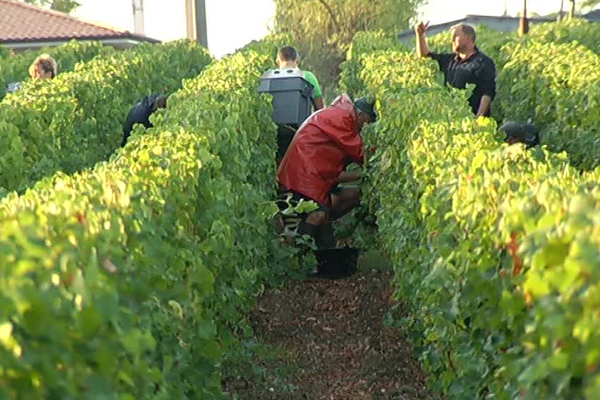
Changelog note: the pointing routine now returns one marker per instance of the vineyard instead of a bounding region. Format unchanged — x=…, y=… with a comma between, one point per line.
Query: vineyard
x=496, y=246
x=130, y=272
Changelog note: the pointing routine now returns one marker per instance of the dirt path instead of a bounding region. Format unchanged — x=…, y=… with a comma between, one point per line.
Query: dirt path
x=331, y=343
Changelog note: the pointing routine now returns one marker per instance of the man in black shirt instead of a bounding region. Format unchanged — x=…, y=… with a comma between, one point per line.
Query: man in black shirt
x=466, y=65
x=140, y=114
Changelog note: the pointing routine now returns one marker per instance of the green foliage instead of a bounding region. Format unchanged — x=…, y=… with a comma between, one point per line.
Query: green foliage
x=129, y=280
x=555, y=222
x=495, y=247
x=363, y=43
x=581, y=30
x=16, y=68
x=65, y=6
x=549, y=78
x=556, y=86
x=95, y=274
x=323, y=29
x=589, y=3
x=75, y=120
x=4, y=53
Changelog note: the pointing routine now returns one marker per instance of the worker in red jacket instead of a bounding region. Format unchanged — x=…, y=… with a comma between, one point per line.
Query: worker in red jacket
x=315, y=161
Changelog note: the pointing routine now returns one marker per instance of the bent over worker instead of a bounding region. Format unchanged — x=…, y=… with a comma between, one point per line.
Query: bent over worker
x=521, y=132
x=315, y=161
x=140, y=114
x=465, y=65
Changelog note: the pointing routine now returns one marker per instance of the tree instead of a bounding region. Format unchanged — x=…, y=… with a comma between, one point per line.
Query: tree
x=65, y=6
x=323, y=29
x=589, y=4
x=561, y=14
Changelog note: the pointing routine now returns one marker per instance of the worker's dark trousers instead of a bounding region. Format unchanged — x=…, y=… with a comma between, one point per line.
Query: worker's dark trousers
x=323, y=234
x=285, y=135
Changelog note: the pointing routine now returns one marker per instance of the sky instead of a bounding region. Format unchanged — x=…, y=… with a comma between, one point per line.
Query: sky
x=230, y=23
x=233, y=23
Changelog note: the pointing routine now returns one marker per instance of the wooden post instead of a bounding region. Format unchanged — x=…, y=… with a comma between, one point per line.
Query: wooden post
x=524, y=21
x=195, y=12
x=201, y=30
x=190, y=20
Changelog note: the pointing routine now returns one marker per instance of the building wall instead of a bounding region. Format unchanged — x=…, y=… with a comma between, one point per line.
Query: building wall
x=119, y=44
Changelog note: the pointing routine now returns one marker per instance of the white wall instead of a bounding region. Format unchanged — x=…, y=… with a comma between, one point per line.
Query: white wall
x=231, y=23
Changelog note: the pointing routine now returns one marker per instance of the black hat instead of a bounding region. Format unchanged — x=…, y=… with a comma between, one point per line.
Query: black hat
x=366, y=107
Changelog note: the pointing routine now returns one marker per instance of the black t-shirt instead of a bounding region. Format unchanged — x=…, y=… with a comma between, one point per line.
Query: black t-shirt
x=478, y=69
x=139, y=114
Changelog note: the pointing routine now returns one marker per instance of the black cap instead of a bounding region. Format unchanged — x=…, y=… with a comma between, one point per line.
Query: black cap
x=366, y=107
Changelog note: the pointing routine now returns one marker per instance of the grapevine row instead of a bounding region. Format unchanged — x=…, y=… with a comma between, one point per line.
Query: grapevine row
x=15, y=68
x=75, y=120
x=129, y=280
x=495, y=246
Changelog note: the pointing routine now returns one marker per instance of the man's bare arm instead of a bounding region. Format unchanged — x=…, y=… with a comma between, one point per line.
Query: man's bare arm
x=484, y=105
x=346, y=176
x=318, y=103
x=422, y=46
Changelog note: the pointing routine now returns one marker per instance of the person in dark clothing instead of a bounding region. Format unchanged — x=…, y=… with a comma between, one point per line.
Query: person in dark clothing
x=519, y=132
x=140, y=114
x=466, y=65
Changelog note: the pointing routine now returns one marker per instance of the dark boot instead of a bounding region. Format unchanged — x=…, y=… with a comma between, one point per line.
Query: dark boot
x=325, y=236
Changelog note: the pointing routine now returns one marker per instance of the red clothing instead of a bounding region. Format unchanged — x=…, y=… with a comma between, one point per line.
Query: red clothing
x=318, y=152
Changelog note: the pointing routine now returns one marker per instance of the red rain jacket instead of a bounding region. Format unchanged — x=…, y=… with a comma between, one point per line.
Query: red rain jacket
x=319, y=150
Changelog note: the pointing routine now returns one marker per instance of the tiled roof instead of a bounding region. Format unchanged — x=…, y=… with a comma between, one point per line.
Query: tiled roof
x=20, y=22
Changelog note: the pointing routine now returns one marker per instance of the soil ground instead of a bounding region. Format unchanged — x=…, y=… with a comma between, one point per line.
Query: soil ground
x=329, y=341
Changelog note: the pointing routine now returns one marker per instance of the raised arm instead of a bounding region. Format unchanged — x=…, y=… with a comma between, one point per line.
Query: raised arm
x=422, y=47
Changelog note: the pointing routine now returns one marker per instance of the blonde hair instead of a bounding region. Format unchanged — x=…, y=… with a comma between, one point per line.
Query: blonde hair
x=44, y=63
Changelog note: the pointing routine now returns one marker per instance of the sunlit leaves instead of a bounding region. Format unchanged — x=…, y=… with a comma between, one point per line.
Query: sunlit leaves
x=496, y=247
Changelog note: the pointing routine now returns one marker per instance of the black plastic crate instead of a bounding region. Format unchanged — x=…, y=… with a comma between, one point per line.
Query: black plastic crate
x=292, y=95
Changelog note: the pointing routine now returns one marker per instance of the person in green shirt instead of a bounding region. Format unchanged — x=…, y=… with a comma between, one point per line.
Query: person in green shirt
x=288, y=57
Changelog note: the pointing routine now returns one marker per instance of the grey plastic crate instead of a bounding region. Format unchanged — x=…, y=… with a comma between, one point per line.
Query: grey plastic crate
x=292, y=95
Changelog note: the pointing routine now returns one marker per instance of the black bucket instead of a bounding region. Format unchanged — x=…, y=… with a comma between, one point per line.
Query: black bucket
x=337, y=262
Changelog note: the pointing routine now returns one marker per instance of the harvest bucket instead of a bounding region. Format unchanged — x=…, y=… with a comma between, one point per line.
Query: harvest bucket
x=337, y=262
